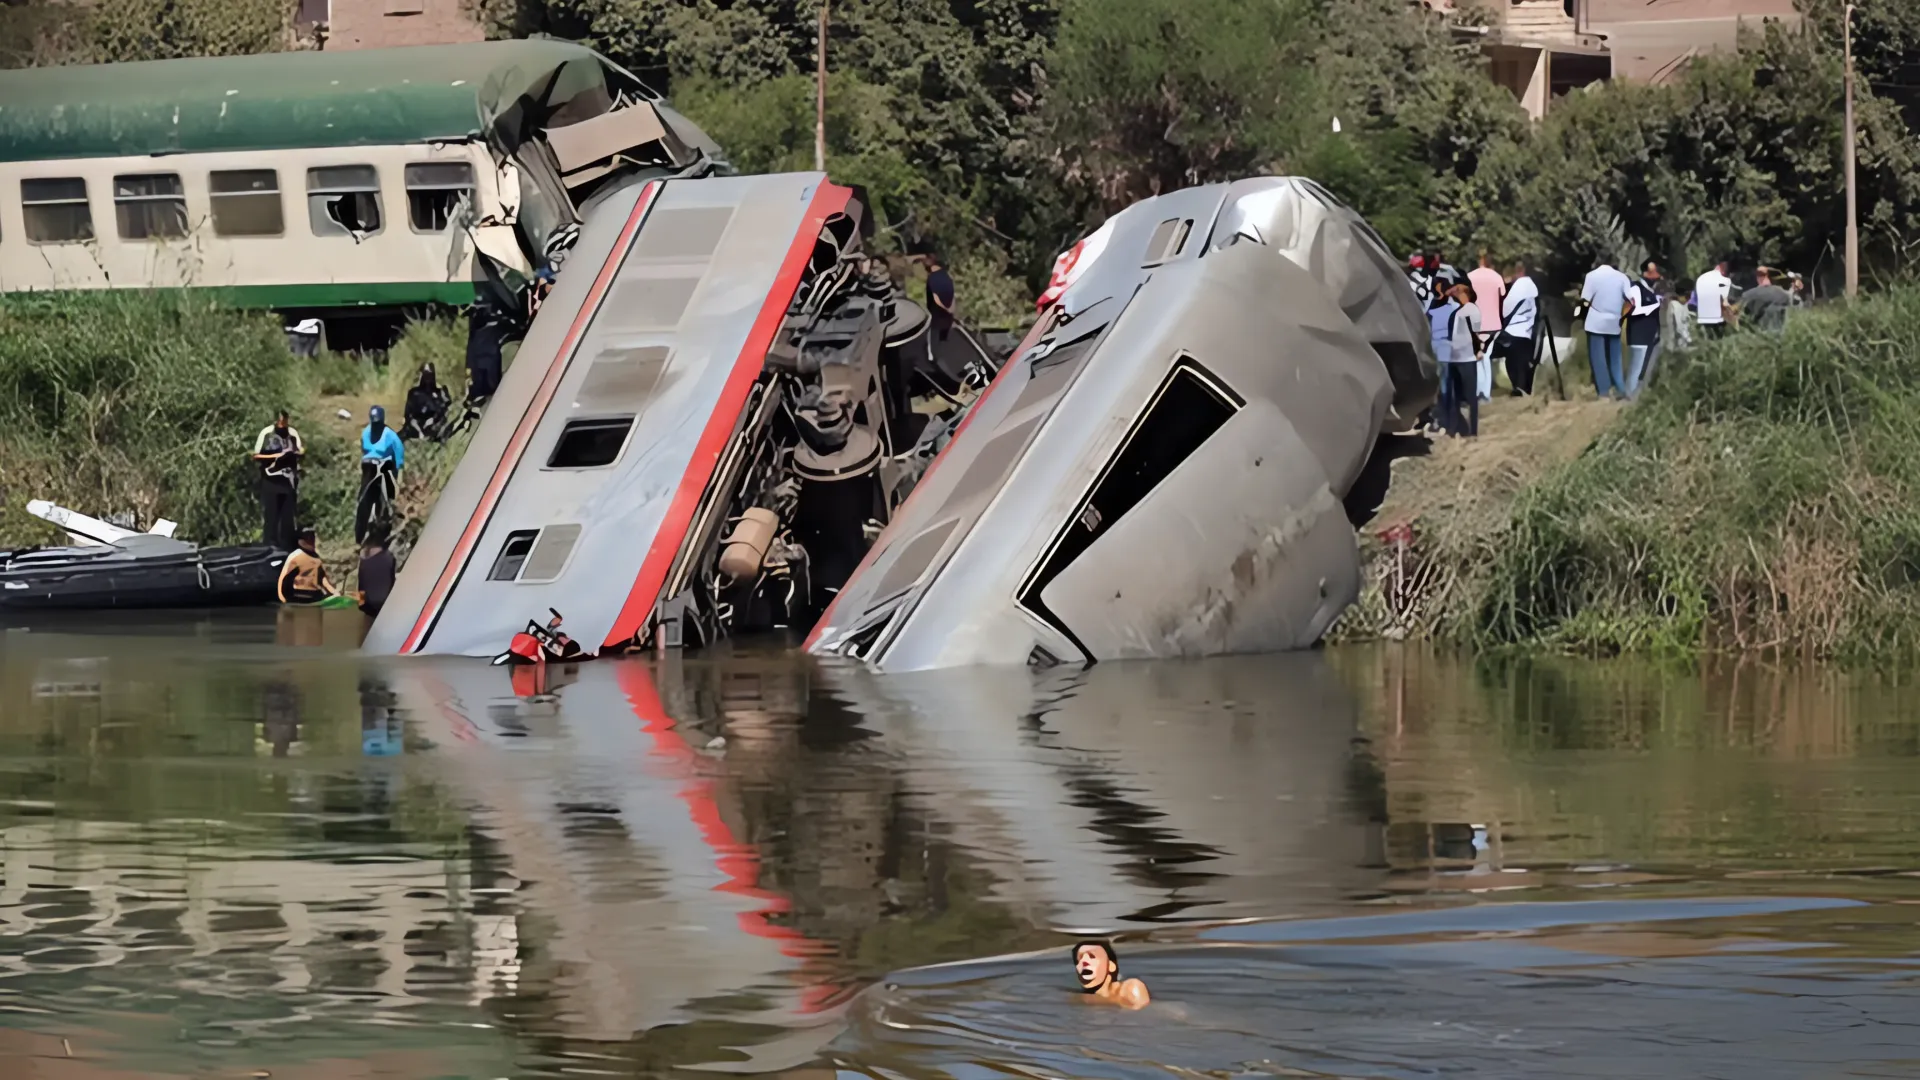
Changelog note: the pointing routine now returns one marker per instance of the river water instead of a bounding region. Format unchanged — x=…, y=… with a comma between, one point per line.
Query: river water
x=233, y=848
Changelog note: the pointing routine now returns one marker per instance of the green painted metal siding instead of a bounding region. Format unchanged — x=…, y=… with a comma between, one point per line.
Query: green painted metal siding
x=337, y=295
x=323, y=295
x=280, y=101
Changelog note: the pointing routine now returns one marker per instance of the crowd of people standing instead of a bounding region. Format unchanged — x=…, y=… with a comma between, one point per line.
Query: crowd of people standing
x=1490, y=318
x=1476, y=320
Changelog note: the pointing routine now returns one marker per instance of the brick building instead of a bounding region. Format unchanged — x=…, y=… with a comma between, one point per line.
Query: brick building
x=379, y=24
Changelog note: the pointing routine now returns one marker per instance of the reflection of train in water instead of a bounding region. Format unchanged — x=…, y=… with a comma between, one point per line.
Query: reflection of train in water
x=688, y=862
x=321, y=182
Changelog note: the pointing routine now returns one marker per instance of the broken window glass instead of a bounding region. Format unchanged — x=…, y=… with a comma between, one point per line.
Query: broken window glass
x=435, y=191
x=344, y=200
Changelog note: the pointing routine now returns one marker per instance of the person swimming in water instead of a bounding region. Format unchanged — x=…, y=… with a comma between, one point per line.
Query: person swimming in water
x=1098, y=970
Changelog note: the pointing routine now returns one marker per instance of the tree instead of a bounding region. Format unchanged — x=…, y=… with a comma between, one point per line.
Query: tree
x=1886, y=46
x=1148, y=96
x=165, y=29
x=37, y=33
x=932, y=103
x=1152, y=95
x=1741, y=155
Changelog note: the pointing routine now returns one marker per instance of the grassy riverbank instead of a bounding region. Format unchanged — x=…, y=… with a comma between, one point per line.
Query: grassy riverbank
x=1764, y=495
x=149, y=403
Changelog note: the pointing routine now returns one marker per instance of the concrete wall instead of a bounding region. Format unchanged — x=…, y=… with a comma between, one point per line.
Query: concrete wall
x=1653, y=40
x=1615, y=11
x=379, y=24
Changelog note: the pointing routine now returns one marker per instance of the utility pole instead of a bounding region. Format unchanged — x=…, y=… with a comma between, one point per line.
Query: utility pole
x=820, y=94
x=1853, y=190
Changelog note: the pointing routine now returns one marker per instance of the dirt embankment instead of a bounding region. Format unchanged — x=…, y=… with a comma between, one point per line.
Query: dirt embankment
x=1446, y=512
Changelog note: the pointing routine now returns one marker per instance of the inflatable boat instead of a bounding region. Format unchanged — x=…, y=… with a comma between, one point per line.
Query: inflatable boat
x=140, y=570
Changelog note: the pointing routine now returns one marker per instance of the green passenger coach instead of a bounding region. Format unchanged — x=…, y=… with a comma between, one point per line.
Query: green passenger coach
x=326, y=184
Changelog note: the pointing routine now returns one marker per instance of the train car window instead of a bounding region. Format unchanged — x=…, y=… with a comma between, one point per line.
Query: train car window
x=344, y=200
x=150, y=206
x=434, y=192
x=513, y=555
x=56, y=210
x=246, y=202
x=1167, y=241
x=590, y=444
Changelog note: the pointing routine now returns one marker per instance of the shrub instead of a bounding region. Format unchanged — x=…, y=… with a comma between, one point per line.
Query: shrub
x=1765, y=494
x=114, y=401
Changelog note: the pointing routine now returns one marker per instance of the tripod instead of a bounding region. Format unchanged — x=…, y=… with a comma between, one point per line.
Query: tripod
x=1545, y=344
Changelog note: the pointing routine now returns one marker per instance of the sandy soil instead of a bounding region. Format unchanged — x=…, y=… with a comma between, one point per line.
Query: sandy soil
x=1519, y=440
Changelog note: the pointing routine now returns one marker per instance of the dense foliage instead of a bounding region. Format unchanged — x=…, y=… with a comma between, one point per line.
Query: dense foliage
x=38, y=32
x=1764, y=494
x=147, y=403
x=1000, y=130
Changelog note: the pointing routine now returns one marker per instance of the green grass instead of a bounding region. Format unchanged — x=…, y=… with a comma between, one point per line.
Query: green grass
x=149, y=402
x=1765, y=494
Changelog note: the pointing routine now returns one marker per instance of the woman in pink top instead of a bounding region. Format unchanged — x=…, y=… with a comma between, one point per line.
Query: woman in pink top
x=1488, y=288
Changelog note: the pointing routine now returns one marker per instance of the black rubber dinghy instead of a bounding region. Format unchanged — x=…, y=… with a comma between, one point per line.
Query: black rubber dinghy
x=138, y=572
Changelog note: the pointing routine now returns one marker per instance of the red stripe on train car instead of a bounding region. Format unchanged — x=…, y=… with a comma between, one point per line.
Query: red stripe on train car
x=529, y=420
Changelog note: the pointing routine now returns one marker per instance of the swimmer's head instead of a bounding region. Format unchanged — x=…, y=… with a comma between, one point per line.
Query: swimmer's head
x=1095, y=965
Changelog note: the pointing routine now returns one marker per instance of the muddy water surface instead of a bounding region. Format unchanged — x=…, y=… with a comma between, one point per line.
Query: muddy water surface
x=232, y=846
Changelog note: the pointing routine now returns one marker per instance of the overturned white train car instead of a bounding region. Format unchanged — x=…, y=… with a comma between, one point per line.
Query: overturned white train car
x=708, y=428
x=1162, y=471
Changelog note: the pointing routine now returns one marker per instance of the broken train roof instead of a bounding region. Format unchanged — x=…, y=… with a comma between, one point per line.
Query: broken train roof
x=279, y=101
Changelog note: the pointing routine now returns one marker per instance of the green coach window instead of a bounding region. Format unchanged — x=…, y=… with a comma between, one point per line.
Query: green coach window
x=246, y=202
x=434, y=193
x=150, y=206
x=56, y=210
x=344, y=200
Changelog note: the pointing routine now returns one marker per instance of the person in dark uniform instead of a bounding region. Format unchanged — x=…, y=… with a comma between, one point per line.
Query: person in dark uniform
x=939, y=296
x=487, y=329
x=277, y=451
x=376, y=573
x=940, y=367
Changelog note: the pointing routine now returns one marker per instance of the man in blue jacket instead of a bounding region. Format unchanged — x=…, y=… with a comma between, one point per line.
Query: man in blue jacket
x=378, y=443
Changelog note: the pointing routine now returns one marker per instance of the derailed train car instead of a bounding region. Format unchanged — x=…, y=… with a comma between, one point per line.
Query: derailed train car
x=708, y=429
x=1164, y=470
x=696, y=439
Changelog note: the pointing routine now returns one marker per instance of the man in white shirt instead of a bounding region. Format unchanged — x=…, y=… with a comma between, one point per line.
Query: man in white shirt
x=1712, y=298
x=1606, y=297
x=1519, y=310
